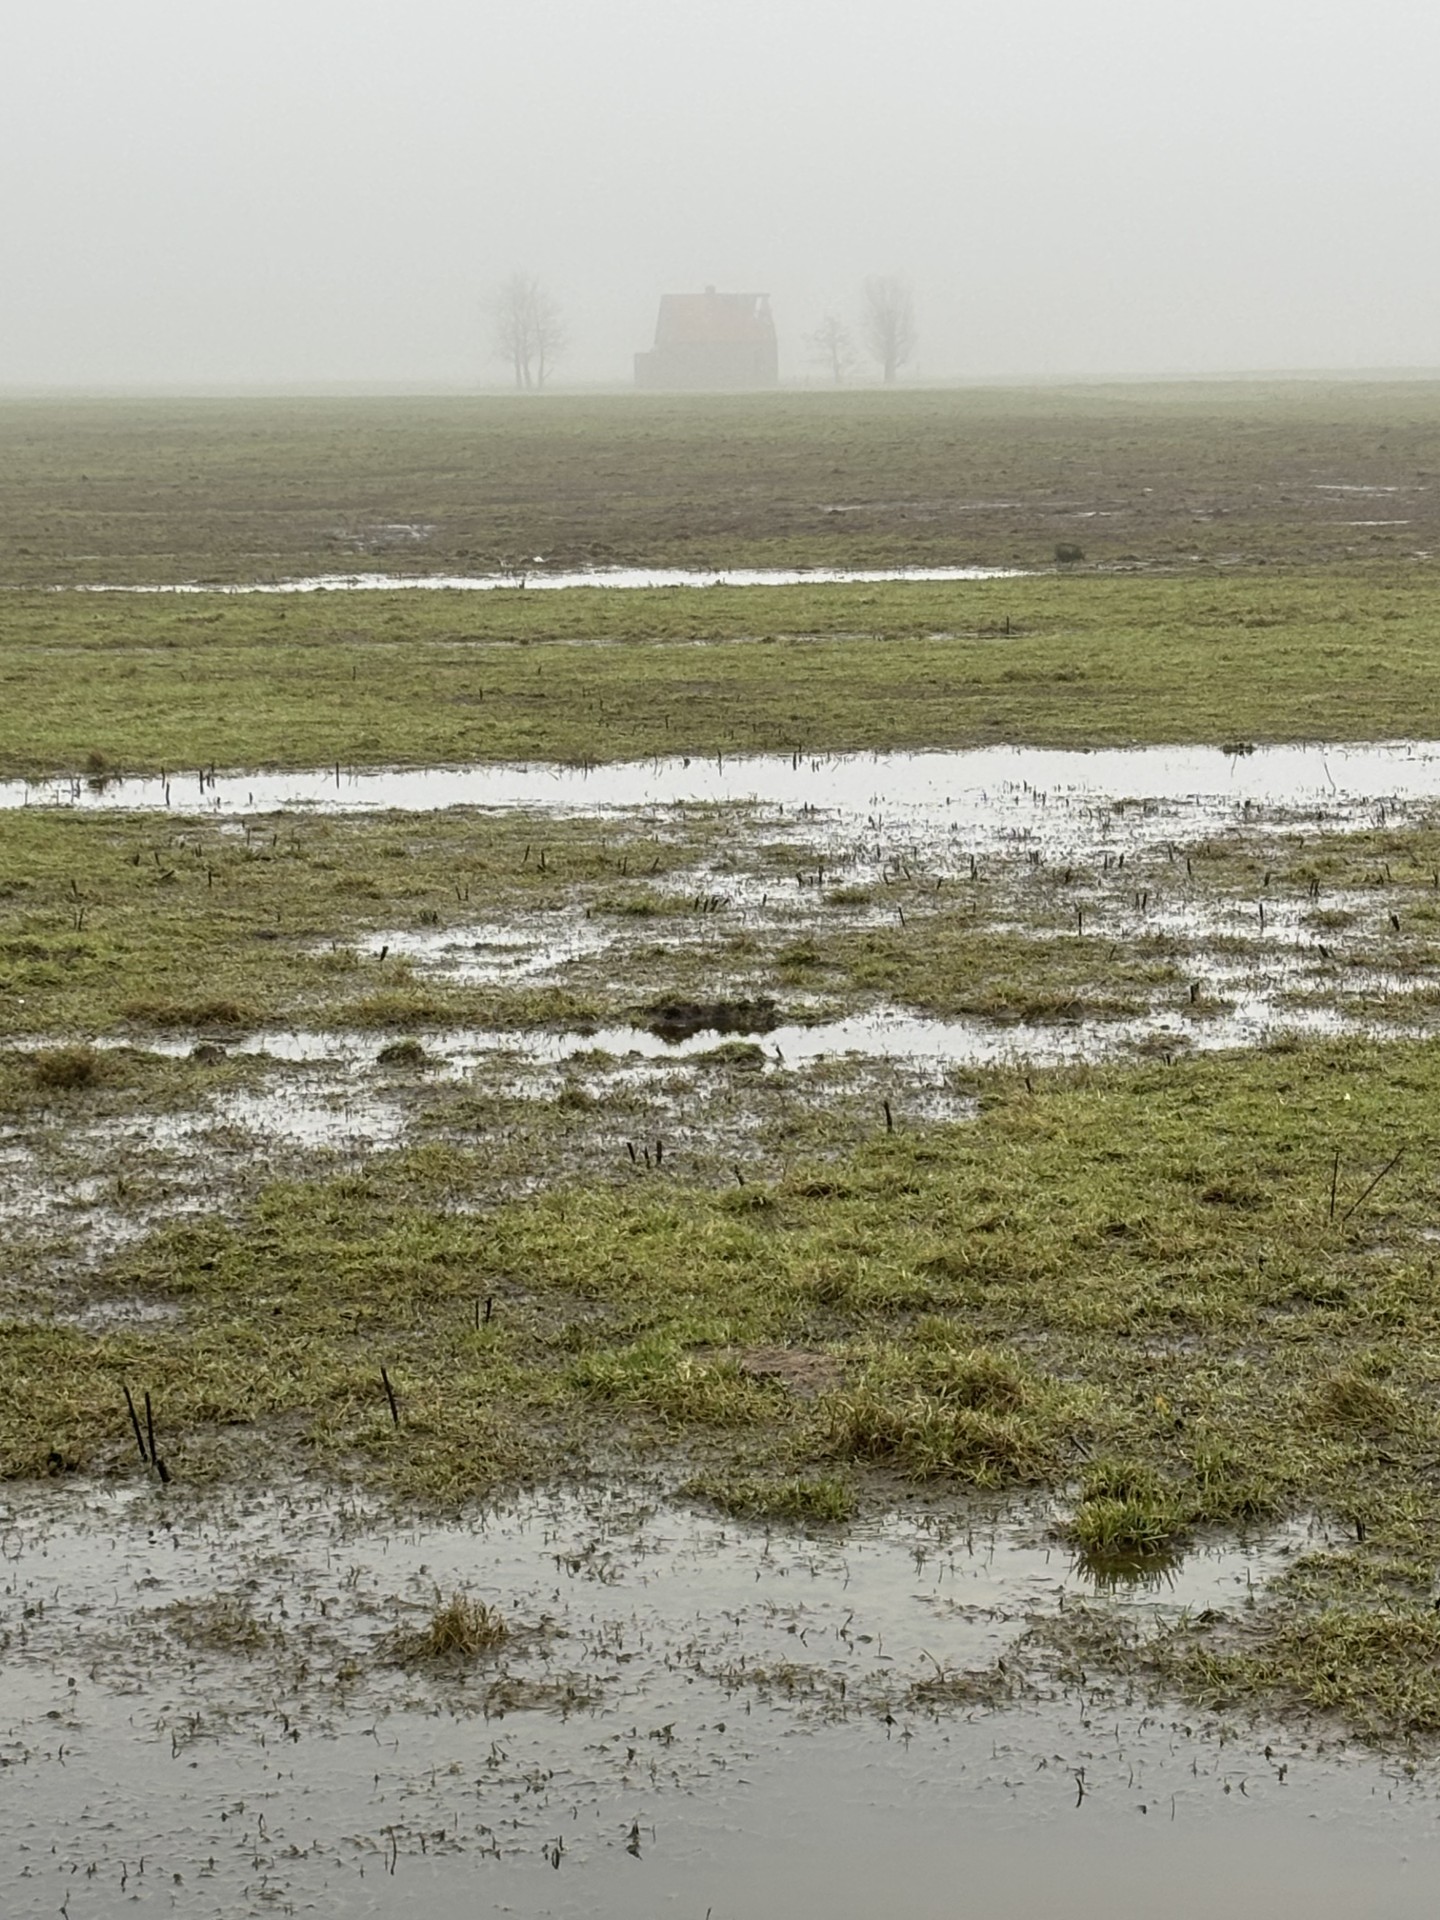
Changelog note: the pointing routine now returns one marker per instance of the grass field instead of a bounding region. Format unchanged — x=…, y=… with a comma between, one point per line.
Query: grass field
x=1130, y=1285
x=1206, y=474
x=110, y=684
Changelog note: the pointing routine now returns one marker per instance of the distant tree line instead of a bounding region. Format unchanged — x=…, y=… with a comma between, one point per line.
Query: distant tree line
x=528, y=330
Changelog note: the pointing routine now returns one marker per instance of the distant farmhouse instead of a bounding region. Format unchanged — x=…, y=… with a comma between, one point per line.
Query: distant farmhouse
x=710, y=339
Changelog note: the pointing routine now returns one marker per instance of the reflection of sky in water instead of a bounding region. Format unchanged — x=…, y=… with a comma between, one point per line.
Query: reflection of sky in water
x=750, y=1733
x=1042, y=798
x=604, y=579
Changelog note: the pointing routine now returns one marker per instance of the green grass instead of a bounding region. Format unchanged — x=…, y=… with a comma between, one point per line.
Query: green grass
x=1127, y=1515
x=445, y=679
x=1122, y=1288
x=1058, y=1298
x=808, y=1500
x=1122, y=1292
x=138, y=924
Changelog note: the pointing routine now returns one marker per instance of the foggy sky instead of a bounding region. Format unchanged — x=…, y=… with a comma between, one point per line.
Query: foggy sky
x=291, y=192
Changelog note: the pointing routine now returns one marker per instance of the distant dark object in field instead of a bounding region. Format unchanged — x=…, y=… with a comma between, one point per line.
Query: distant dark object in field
x=65, y=1069
x=208, y=1052
x=1238, y=747
x=709, y=340
x=681, y=1019
x=1067, y=555
x=403, y=1053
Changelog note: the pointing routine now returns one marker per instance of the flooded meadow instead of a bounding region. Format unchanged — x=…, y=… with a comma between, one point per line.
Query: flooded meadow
x=651, y=1268
x=221, y=1690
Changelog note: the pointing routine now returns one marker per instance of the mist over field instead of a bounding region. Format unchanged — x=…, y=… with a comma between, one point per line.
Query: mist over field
x=319, y=192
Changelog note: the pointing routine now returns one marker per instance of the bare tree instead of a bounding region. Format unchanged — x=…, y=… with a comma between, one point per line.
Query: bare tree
x=529, y=329
x=888, y=322
x=831, y=347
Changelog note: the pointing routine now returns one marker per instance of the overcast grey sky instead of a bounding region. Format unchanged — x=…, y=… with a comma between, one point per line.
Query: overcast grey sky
x=195, y=192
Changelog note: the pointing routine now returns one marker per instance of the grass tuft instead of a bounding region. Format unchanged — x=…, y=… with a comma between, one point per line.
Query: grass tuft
x=1351, y=1401
x=402, y=1053
x=458, y=1629
x=67, y=1069
x=173, y=1014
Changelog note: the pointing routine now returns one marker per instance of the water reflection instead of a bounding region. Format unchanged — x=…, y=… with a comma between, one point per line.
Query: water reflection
x=611, y=579
x=693, y=1714
x=1038, y=796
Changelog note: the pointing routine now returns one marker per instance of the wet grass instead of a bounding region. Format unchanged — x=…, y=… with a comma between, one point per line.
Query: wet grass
x=365, y=680
x=950, y=962
x=459, y=1629
x=809, y=1500
x=74, y=1084
x=1167, y=1297
x=131, y=923
x=1066, y=1296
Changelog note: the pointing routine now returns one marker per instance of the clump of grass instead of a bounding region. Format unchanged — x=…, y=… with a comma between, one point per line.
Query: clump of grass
x=1126, y=1514
x=824, y=1501
x=68, y=1069
x=402, y=1053
x=1351, y=1400
x=336, y=960
x=458, y=1629
x=927, y=1440
x=1378, y=1667
x=574, y=1098
x=400, y=1008
x=656, y=1376
x=978, y=1377
x=637, y=906
x=951, y=1687
x=932, y=1411
x=849, y=897
x=742, y=1054
x=1229, y=1490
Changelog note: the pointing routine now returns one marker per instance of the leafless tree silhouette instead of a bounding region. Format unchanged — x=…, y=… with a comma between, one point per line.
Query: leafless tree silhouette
x=529, y=329
x=888, y=322
x=832, y=348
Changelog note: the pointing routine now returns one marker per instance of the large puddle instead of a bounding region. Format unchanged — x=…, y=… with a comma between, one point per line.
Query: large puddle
x=204, y=1711
x=612, y=579
x=985, y=796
